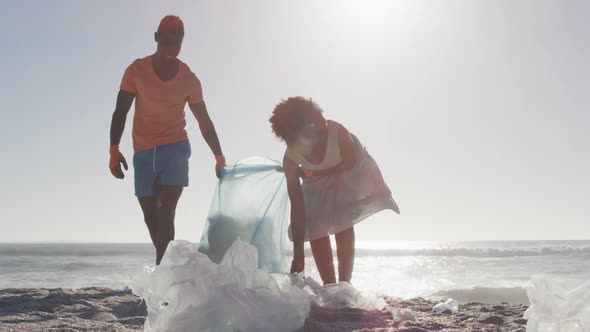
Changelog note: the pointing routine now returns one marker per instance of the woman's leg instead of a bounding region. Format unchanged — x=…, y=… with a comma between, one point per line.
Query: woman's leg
x=345, y=253
x=322, y=254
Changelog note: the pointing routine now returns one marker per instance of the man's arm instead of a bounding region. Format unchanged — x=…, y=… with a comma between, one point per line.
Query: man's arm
x=124, y=101
x=297, y=213
x=209, y=134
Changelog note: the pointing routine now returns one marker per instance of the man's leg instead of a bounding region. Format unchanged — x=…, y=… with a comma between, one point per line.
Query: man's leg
x=146, y=191
x=345, y=253
x=322, y=254
x=149, y=206
x=168, y=197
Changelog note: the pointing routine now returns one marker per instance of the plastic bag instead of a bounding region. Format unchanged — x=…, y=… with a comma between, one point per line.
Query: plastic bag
x=558, y=304
x=250, y=203
x=450, y=304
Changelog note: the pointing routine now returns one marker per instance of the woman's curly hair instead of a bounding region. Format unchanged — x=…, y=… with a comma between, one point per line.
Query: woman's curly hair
x=290, y=115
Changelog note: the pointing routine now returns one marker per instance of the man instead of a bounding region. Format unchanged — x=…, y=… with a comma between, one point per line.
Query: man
x=161, y=85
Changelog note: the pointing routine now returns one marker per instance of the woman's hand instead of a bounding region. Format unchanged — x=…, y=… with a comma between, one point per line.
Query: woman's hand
x=298, y=264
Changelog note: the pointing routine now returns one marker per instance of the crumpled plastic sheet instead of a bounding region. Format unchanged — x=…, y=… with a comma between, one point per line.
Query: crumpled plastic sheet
x=188, y=292
x=558, y=304
x=337, y=296
x=402, y=314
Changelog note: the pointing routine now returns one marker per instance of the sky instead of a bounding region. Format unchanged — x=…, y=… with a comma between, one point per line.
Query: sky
x=477, y=112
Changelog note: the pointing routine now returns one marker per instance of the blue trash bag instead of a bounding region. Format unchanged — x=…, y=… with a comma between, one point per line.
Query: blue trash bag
x=250, y=203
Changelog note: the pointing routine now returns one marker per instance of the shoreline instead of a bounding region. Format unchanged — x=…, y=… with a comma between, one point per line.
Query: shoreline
x=106, y=309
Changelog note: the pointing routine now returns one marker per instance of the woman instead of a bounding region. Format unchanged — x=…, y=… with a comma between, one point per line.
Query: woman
x=341, y=185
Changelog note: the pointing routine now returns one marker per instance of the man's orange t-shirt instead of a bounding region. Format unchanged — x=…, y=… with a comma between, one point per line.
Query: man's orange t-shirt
x=159, y=106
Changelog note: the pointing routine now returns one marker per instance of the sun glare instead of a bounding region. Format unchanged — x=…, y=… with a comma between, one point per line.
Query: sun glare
x=369, y=12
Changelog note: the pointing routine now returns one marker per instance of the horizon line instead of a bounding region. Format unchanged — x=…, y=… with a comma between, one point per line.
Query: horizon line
x=377, y=241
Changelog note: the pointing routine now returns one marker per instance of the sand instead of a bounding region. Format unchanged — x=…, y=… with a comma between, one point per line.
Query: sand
x=104, y=309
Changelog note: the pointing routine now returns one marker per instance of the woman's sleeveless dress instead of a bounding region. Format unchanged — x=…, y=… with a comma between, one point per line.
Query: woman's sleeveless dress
x=336, y=202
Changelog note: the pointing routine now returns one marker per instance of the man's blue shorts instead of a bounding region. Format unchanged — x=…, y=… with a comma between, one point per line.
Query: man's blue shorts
x=166, y=164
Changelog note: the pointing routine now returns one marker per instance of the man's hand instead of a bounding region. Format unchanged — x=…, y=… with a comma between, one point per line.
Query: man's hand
x=219, y=165
x=115, y=162
x=298, y=264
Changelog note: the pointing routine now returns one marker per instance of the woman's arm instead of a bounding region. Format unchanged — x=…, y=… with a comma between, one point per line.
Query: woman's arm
x=297, y=213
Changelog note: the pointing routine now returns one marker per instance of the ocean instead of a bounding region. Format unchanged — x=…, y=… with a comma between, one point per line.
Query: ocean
x=489, y=272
